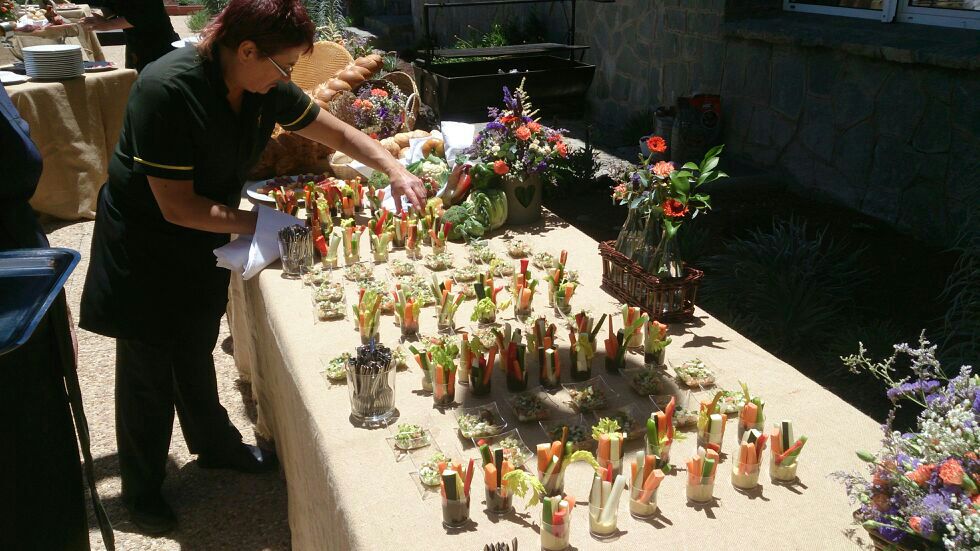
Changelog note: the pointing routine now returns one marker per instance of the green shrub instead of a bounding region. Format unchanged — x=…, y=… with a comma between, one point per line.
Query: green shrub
x=783, y=287
x=198, y=20
x=960, y=344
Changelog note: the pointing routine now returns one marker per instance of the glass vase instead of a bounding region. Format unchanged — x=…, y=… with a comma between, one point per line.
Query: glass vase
x=658, y=253
x=631, y=235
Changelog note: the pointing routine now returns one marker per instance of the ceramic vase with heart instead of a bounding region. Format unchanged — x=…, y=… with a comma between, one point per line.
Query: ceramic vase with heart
x=523, y=199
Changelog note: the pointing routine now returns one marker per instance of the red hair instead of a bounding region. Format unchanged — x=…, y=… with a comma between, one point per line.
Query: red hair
x=274, y=25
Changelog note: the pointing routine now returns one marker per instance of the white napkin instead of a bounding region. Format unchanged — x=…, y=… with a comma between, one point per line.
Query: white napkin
x=262, y=248
x=457, y=136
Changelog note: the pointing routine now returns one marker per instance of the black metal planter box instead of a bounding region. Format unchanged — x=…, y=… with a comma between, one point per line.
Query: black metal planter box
x=463, y=91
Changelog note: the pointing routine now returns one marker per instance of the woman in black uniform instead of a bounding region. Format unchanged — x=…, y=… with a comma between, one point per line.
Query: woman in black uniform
x=196, y=121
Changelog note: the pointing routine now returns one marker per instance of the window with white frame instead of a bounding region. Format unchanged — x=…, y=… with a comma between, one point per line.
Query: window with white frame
x=947, y=13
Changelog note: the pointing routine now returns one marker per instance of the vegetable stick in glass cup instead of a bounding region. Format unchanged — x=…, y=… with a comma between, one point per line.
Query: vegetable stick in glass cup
x=407, y=312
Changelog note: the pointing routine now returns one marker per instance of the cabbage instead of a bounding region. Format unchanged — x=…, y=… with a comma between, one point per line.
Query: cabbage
x=489, y=207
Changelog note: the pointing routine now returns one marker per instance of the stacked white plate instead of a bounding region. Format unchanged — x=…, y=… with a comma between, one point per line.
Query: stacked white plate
x=53, y=61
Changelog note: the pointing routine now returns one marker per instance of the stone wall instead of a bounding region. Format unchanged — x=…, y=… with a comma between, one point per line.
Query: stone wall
x=899, y=141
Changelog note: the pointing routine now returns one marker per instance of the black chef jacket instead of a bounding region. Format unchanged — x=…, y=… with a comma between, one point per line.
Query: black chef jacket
x=147, y=277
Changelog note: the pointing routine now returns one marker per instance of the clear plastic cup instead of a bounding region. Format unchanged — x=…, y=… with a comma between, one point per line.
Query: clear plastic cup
x=455, y=513
x=499, y=502
x=745, y=476
x=706, y=441
x=368, y=336
x=603, y=530
x=701, y=490
x=446, y=324
x=521, y=313
x=409, y=329
x=655, y=359
x=555, y=484
x=642, y=506
x=581, y=368
x=783, y=472
x=443, y=395
x=554, y=537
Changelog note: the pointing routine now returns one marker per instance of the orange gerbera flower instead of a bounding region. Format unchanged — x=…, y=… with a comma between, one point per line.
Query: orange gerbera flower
x=534, y=126
x=562, y=149
x=523, y=133
x=656, y=144
x=500, y=167
x=507, y=119
x=663, y=168
x=674, y=208
x=378, y=92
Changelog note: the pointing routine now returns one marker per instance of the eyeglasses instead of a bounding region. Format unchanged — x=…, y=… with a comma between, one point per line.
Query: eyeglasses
x=286, y=73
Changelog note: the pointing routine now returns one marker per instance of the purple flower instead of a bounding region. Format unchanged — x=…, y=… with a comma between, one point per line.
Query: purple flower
x=495, y=127
x=925, y=526
x=976, y=401
x=905, y=389
x=893, y=535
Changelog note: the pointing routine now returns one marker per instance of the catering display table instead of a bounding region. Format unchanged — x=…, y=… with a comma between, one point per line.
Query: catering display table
x=72, y=33
x=75, y=124
x=347, y=491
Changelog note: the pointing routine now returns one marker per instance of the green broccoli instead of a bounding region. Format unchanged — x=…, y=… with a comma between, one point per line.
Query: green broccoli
x=378, y=180
x=464, y=223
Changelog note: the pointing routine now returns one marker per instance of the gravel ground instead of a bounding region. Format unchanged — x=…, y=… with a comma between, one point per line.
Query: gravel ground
x=215, y=509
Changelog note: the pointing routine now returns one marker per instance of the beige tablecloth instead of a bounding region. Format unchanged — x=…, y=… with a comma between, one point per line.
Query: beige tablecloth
x=75, y=124
x=347, y=491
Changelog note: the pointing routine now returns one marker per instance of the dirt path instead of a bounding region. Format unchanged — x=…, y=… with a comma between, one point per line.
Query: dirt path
x=215, y=509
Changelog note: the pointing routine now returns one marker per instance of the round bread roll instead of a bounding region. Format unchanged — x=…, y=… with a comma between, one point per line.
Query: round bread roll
x=390, y=146
x=403, y=153
x=338, y=85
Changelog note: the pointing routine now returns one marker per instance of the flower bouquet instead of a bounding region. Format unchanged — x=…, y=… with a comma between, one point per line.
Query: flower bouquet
x=378, y=109
x=666, y=196
x=923, y=488
x=517, y=153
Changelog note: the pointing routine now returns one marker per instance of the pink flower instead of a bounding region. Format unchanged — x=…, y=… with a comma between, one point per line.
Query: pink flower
x=500, y=167
x=523, y=133
x=663, y=168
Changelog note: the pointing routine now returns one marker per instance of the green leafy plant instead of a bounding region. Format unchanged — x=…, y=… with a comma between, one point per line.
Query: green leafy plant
x=961, y=324
x=784, y=287
x=198, y=20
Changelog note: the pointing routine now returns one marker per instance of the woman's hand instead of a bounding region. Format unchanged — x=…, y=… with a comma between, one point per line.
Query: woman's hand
x=98, y=22
x=405, y=184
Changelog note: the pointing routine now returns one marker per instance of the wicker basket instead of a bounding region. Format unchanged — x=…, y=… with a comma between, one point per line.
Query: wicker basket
x=322, y=64
x=668, y=300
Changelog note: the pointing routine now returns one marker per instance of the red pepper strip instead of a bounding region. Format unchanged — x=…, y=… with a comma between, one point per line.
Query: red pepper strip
x=321, y=244
x=463, y=186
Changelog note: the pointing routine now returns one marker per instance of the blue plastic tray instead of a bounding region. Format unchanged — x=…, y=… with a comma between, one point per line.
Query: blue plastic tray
x=30, y=279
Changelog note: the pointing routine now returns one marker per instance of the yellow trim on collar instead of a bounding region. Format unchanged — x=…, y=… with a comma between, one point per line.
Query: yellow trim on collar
x=158, y=165
x=299, y=118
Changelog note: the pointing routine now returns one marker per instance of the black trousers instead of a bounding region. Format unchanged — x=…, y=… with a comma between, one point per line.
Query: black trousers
x=40, y=472
x=152, y=378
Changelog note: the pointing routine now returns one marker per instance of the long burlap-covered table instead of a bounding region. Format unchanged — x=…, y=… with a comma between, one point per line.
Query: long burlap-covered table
x=75, y=124
x=347, y=491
